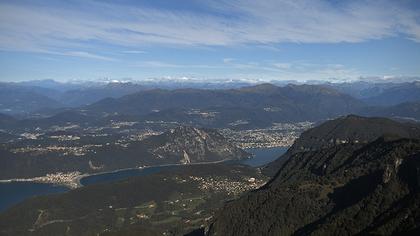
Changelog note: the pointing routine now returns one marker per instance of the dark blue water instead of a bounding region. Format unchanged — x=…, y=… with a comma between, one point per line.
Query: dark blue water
x=120, y=175
x=263, y=156
x=12, y=193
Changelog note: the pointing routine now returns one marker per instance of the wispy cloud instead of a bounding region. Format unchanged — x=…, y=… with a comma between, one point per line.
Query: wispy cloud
x=265, y=70
x=228, y=60
x=282, y=65
x=134, y=52
x=162, y=64
x=39, y=27
x=84, y=55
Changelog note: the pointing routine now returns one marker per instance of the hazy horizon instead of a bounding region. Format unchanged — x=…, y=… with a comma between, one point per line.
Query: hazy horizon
x=194, y=80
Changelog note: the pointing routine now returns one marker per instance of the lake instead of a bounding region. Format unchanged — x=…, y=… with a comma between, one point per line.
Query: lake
x=15, y=192
x=12, y=193
x=119, y=175
x=263, y=156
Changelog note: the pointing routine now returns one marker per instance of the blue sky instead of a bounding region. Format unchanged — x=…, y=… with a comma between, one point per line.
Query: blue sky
x=209, y=39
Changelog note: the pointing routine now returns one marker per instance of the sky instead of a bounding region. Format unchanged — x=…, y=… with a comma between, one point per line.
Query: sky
x=260, y=40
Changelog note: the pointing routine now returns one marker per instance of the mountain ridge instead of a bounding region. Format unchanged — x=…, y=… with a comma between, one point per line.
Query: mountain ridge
x=334, y=190
x=294, y=100
x=346, y=129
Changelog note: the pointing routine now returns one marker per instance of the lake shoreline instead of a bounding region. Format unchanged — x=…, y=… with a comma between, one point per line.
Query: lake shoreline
x=76, y=181
x=17, y=190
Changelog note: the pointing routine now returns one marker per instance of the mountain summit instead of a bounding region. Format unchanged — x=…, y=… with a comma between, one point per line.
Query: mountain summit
x=191, y=145
x=346, y=129
x=366, y=187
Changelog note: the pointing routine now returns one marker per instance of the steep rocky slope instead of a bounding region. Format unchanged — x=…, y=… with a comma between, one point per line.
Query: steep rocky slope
x=346, y=129
x=192, y=144
x=348, y=188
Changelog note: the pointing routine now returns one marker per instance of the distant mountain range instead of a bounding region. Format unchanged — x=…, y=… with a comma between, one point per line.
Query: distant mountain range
x=400, y=93
x=29, y=97
x=290, y=103
x=88, y=95
x=409, y=111
x=24, y=100
x=240, y=108
x=258, y=106
x=349, y=176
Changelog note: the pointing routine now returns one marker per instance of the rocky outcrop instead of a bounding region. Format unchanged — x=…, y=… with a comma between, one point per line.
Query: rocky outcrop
x=192, y=145
x=344, y=130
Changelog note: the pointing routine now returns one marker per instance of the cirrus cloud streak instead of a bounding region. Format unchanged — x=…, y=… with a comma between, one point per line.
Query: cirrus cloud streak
x=32, y=27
